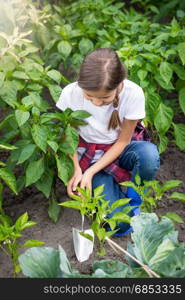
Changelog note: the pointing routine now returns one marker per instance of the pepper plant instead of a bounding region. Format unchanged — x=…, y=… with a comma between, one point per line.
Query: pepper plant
x=99, y=212
x=152, y=192
x=10, y=232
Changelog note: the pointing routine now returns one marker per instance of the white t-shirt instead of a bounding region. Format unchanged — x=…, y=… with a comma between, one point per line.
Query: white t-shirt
x=131, y=107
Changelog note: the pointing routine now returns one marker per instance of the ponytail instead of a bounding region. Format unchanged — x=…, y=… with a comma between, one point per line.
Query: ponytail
x=114, y=119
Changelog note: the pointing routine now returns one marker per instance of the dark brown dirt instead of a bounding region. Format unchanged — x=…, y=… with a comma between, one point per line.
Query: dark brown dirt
x=35, y=203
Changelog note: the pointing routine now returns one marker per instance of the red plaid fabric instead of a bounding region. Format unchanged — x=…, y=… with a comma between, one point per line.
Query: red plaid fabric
x=119, y=174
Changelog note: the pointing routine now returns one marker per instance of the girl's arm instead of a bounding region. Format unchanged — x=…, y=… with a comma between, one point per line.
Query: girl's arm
x=124, y=139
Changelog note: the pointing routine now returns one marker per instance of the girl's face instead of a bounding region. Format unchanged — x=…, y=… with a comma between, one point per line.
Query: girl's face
x=102, y=97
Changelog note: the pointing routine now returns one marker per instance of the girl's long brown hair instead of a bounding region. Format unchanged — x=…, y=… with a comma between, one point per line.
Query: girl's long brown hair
x=102, y=69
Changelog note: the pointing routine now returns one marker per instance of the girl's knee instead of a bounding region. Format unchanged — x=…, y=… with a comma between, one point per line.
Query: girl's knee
x=150, y=151
x=149, y=158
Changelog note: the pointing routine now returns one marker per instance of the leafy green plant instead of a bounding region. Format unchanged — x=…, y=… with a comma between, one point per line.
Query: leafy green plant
x=43, y=140
x=154, y=244
x=9, y=235
x=9, y=232
x=151, y=192
x=98, y=210
x=156, y=63
x=43, y=150
x=155, y=60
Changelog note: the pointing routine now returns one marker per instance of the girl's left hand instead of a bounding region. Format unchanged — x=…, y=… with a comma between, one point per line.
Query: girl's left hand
x=86, y=181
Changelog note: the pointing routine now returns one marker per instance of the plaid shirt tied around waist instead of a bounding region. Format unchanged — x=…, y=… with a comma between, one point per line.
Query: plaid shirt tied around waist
x=119, y=174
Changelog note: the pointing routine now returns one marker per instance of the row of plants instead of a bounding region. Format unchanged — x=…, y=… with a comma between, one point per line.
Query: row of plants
x=154, y=247
x=42, y=140
x=152, y=52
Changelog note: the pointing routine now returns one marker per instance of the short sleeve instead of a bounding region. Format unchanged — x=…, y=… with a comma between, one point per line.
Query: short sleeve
x=135, y=108
x=64, y=99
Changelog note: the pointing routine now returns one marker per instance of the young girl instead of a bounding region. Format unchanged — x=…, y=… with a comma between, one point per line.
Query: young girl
x=113, y=146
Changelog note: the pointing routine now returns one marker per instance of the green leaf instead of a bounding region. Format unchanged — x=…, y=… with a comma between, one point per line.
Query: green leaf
x=80, y=114
x=101, y=234
x=35, y=112
x=71, y=204
x=54, y=209
x=137, y=179
x=181, y=51
x=174, y=217
x=44, y=184
x=32, y=243
x=9, y=178
x=166, y=71
x=119, y=203
x=179, y=133
x=85, y=46
x=26, y=153
x=170, y=184
x=55, y=75
x=21, y=221
x=163, y=143
x=87, y=236
x=98, y=190
x=7, y=146
x=2, y=77
x=71, y=141
x=114, y=268
x=142, y=74
x=128, y=183
x=64, y=48
x=148, y=234
x=65, y=167
x=174, y=264
x=55, y=91
x=20, y=75
x=152, y=102
x=21, y=116
x=179, y=70
x=178, y=196
x=65, y=266
x=182, y=98
x=162, y=82
x=119, y=216
x=34, y=171
x=163, y=251
x=163, y=118
x=39, y=134
x=9, y=94
x=40, y=263
x=53, y=145
x=28, y=225
x=111, y=223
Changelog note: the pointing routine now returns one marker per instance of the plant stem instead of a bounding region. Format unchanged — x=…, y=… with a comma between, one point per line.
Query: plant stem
x=146, y=268
x=3, y=249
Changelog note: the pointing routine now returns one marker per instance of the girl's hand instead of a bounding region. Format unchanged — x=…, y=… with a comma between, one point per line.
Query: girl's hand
x=86, y=181
x=74, y=181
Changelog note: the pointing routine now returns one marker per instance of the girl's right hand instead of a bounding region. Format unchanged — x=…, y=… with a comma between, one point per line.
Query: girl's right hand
x=74, y=181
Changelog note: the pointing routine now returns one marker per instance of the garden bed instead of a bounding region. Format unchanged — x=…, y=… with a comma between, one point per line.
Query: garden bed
x=52, y=234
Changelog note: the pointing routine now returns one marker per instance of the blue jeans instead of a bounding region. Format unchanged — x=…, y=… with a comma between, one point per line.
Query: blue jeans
x=139, y=157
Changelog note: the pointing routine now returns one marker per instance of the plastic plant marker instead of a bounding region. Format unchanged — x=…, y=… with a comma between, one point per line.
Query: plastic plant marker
x=83, y=246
